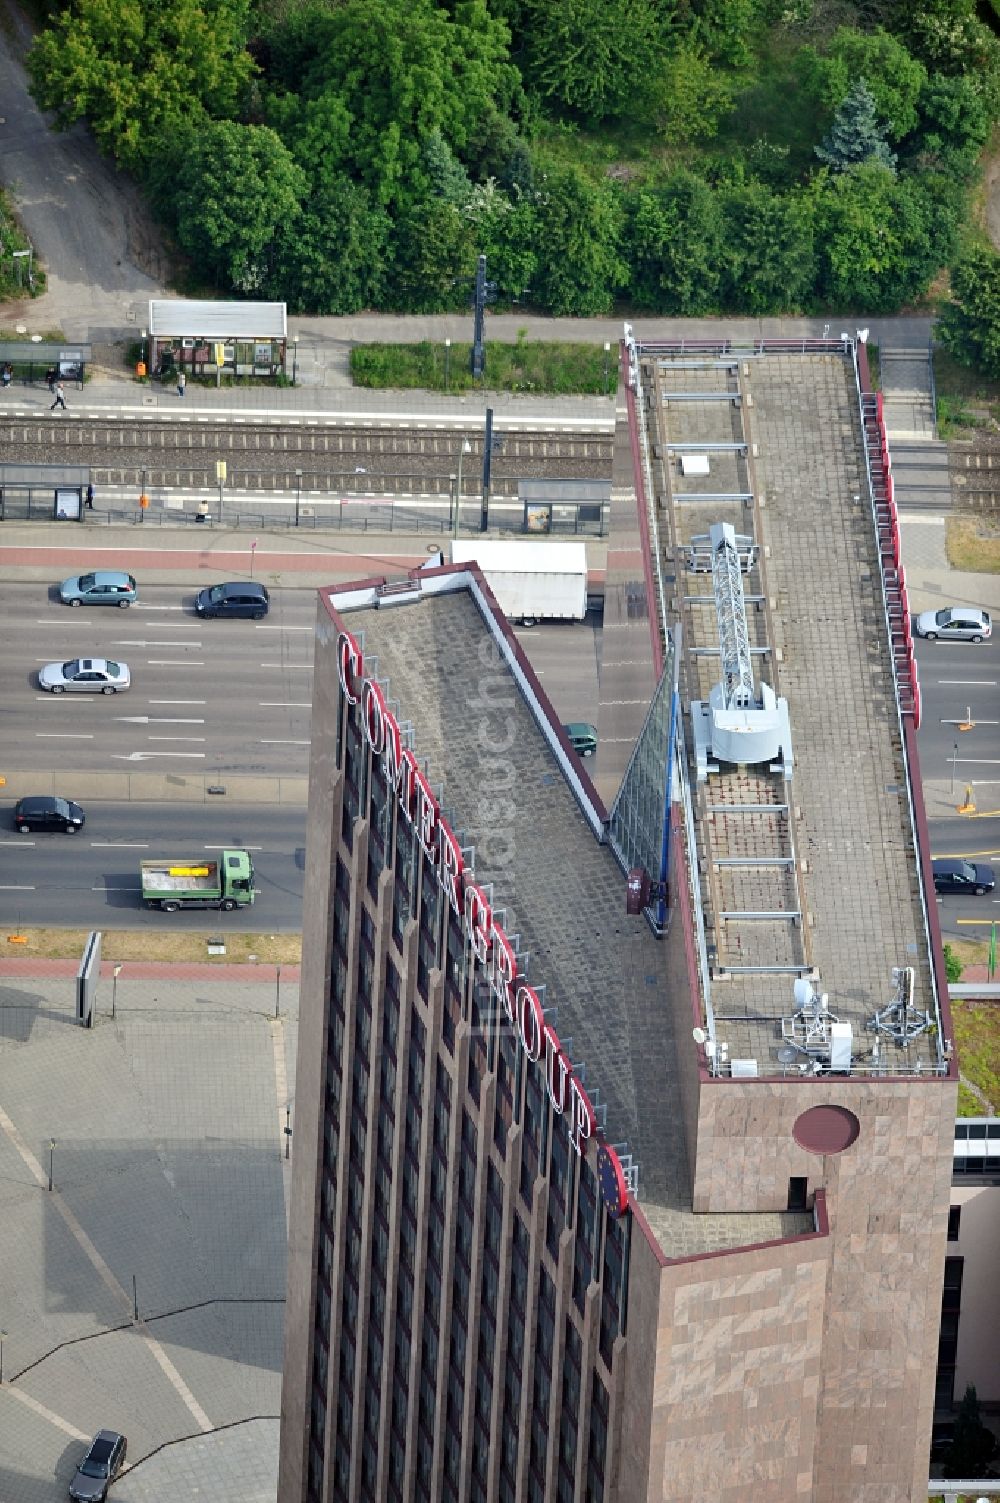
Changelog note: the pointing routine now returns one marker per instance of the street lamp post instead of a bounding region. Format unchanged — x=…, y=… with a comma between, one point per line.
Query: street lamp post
x=447, y=365
x=143, y=498
x=142, y=349
x=295, y=357
x=288, y=1130
x=466, y=448
x=607, y=363
x=52, y=1149
x=114, y=988
x=277, y=989
x=2, y=1335
x=298, y=494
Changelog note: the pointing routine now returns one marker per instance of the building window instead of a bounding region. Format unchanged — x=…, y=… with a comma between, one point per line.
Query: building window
x=954, y=1219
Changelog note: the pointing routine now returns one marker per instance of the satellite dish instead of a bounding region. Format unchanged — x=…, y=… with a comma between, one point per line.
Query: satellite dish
x=802, y=992
x=699, y=1035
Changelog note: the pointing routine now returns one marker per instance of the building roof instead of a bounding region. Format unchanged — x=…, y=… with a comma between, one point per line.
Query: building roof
x=509, y=787
x=813, y=876
x=194, y=318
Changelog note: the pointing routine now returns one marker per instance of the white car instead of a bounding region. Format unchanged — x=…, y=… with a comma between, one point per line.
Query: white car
x=956, y=623
x=85, y=676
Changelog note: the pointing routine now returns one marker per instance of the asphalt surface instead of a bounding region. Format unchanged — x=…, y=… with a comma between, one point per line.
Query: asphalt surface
x=91, y=879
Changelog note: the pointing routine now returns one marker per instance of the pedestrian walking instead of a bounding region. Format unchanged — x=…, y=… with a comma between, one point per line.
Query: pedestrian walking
x=8, y=374
x=60, y=400
x=90, y=498
x=50, y=379
x=181, y=383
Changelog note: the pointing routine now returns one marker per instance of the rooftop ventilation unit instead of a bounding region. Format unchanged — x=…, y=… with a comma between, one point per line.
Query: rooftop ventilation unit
x=735, y=725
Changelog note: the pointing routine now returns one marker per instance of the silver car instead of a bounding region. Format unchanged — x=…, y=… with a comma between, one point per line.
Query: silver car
x=103, y=587
x=959, y=623
x=85, y=676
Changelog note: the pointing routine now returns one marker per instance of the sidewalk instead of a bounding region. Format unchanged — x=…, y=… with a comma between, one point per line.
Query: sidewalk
x=162, y=1134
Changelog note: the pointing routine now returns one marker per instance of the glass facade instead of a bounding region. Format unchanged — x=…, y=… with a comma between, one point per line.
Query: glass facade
x=641, y=810
x=445, y=1362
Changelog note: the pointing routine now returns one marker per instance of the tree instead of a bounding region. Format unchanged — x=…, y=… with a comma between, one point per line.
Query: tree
x=769, y=257
x=505, y=230
x=138, y=72
x=970, y=325
x=675, y=240
x=893, y=77
x=332, y=258
x=432, y=261
x=972, y=1443
x=955, y=123
x=579, y=232
x=581, y=54
x=687, y=97
x=402, y=70
x=448, y=178
x=232, y=192
x=879, y=240
x=855, y=137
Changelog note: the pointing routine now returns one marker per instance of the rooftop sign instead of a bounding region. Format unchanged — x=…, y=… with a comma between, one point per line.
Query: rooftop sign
x=490, y=945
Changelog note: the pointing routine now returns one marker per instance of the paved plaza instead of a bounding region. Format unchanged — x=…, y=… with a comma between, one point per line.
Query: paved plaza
x=169, y=1197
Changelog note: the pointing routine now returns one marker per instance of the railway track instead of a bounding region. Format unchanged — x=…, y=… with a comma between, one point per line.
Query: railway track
x=320, y=457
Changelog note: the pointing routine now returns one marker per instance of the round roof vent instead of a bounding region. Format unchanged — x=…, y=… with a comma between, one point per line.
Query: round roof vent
x=826, y=1129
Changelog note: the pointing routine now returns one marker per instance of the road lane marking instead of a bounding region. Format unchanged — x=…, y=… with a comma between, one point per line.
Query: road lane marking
x=969, y=683
x=64, y=735
x=276, y=627
x=157, y=720
x=143, y=756
x=179, y=738
x=175, y=662
x=178, y=701
x=141, y=642
x=49, y=1415
x=284, y=704
x=284, y=743
x=16, y=886
x=20, y=841
x=123, y=845
x=306, y=666
x=229, y=848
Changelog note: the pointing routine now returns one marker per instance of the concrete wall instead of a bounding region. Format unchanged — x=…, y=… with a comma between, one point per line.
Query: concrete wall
x=739, y=1356
x=887, y=1197
x=979, y=1324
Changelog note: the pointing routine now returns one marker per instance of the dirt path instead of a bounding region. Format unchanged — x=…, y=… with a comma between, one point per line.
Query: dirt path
x=88, y=223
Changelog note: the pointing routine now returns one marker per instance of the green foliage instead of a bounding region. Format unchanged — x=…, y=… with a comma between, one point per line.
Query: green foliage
x=675, y=238
x=505, y=230
x=332, y=258
x=973, y=1444
x=687, y=97
x=434, y=259
x=579, y=226
x=879, y=239
x=233, y=191
x=403, y=70
x=528, y=366
x=138, y=72
x=952, y=965
x=770, y=257
x=969, y=327
x=976, y=1044
x=893, y=77
x=855, y=136
x=581, y=54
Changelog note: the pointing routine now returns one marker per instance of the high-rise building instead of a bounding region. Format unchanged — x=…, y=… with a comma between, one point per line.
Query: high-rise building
x=624, y=1136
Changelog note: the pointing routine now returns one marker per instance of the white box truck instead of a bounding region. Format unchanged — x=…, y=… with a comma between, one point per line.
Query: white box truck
x=532, y=581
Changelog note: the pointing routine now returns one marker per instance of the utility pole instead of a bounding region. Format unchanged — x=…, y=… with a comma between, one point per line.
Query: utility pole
x=491, y=445
x=485, y=293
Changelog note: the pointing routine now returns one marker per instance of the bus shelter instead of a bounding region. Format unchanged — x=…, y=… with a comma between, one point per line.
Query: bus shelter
x=43, y=492
x=30, y=361
x=205, y=338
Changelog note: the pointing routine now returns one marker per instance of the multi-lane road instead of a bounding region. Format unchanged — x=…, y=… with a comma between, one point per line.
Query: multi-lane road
x=959, y=746
x=92, y=879
x=215, y=697
x=219, y=698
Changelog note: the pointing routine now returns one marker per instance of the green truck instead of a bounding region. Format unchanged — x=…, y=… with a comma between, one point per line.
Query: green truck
x=198, y=883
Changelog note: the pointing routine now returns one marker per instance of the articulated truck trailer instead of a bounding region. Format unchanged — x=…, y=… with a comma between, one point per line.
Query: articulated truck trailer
x=192, y=882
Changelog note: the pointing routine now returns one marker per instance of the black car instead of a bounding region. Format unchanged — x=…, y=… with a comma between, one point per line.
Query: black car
x=963, y=877
x=233, y=600
x=99, y=1467
x=46, y=813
